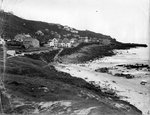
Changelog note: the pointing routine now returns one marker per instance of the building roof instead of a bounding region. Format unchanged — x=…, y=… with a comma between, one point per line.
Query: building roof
x=27, y=35
x=60, y=41
x=29, y=39
x=22, y=36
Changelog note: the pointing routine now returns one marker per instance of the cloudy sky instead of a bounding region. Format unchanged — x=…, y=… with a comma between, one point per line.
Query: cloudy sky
x=125, y=20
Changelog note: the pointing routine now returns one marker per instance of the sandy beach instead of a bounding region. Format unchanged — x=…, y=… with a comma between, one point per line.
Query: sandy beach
x=127, y=89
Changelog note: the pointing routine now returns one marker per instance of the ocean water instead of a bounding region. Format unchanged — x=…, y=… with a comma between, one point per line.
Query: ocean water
x=138, y=55
x=131, y=56
x=128, y=89
x=137, y=94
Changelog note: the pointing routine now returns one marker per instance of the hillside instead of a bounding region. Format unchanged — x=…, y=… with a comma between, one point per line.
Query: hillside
x=37, y=88
x=14, y=25
x=34, y=85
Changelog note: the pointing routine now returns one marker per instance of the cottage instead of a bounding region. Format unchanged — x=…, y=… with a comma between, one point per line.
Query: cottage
x=20, y=37
x=30, y=42
x=53, y=42
x=27, y=40
x=60, y=43
x=66, y=28
x=66, y=43
x=95, y=39
x=74, y=31
x=73, y=40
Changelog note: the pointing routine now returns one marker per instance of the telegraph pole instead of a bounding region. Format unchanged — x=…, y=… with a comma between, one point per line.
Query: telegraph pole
x=5, y=104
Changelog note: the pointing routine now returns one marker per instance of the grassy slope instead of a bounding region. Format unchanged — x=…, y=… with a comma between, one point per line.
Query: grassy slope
x=14, y=25
x=25, y=76
x=90, y=51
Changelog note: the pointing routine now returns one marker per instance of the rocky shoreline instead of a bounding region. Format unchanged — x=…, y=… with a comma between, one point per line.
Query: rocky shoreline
x=38, y=85
x=130, y=90
x=89, y=52
x=119, y=71
x=126, y=79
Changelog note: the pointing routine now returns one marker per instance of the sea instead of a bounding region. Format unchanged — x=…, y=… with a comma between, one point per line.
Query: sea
x=130, y=56
x=127, y=89
x=137, y=94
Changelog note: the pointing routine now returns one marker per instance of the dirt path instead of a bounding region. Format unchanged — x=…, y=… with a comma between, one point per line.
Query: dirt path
x=56, y=56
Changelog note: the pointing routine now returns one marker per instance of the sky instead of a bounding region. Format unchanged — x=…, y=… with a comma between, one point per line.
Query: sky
x=125, y=20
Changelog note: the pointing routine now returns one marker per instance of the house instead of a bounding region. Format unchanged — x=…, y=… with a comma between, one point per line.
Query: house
x=86, y=39
x=66, y=28
x=60, y=43
x=66, y=43
x=27, y=40
x=95, y=39
x=73, y=40
x=53, y=42
x=90, y=39
x=20, y=37
x=74, y=31
x=31, y=42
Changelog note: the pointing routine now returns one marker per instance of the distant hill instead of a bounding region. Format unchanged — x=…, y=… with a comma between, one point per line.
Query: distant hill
x=13, y=25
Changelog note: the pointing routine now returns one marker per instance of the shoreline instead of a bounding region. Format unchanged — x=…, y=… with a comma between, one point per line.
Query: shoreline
x=128, y=90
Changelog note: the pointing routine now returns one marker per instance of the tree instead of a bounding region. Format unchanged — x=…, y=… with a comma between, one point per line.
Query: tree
x=39, y=33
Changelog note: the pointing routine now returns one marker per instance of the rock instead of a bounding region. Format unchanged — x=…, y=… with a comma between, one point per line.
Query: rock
x=143, y=82
x=129, y=76
x=103, y=70
x=114, y=81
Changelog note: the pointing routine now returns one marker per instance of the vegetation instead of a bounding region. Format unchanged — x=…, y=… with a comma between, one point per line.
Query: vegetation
x=69, y=51
x=30, y=79
x=90, y=51
x=13, y=25
x=44, y=56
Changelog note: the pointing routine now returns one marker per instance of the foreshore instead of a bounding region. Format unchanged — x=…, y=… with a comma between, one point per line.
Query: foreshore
x=129, y=90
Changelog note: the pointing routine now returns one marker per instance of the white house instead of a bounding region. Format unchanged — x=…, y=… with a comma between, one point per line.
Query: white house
x=53, y=42
x=86, y=39
x=66, y=42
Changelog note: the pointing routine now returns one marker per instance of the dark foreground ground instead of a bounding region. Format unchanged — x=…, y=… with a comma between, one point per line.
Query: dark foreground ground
x=35, y=87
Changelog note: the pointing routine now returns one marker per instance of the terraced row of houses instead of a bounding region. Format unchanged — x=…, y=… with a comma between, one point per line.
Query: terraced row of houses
x=66, y=43
x=29, y=41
